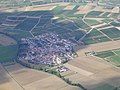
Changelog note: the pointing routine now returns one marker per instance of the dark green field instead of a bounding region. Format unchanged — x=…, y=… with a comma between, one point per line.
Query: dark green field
x=112, y=56
x=113, y=33
x=95, y=37
x=8, y=53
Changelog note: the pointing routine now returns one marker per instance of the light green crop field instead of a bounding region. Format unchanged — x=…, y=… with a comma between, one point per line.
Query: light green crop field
x=91, y=22
x=112, y=56
x=105, y=54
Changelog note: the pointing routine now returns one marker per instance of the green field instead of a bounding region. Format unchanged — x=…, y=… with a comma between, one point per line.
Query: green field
x=94, y=14
x=95, y=37
x=17, y=34
x=113, y=33
x=80, y=23
x=91, y=22
x=105, y=54
x=8, y=53
x=112, y=56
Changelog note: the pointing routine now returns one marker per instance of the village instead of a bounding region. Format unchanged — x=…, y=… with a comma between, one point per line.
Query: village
x=46, y=49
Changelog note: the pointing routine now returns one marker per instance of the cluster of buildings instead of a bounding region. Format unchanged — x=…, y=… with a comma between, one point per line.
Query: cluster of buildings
x=46, y=49
x=62, y=69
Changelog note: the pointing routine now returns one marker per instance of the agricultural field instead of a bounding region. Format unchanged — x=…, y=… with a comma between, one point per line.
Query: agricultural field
x=22, y=78
x=89, y=26
x=112, y=56
x=113, y=33
x=76, y=26
x=95, y=36
x=8, y=53
x=93, y=74
x=6, y=41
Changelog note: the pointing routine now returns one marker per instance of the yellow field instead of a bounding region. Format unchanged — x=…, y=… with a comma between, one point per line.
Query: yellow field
x=92, y=72
x=17, y=77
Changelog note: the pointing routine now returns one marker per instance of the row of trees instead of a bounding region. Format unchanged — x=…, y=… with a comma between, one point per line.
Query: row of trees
x=71, y=83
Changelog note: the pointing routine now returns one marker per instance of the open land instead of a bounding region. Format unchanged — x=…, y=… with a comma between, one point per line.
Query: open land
x=93, y=28
x=18, y=77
